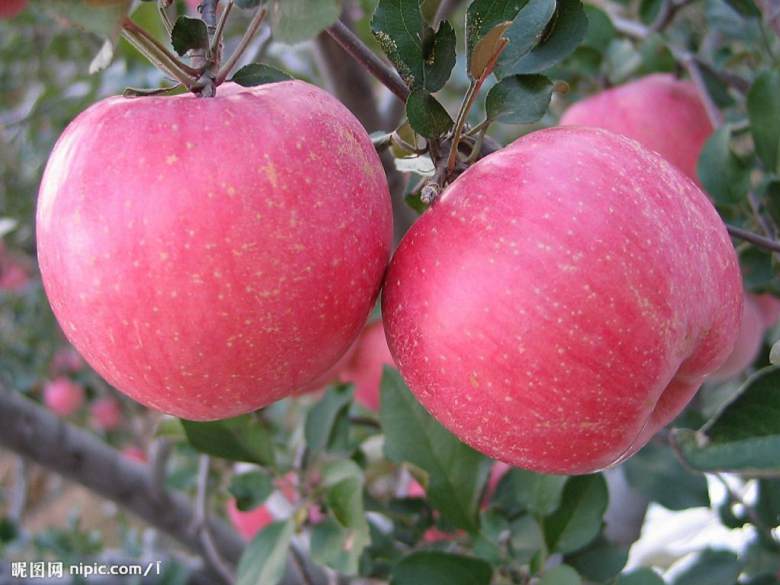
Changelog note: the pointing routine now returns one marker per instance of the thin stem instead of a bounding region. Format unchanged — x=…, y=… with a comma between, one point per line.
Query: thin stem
x=352, y=44
x=753, y=238
x=168, y=68
x=216, y=40
x=249, y=34
x=460, y=121
x=300, y=563
x=162, y=9
x=200, y=520
x=128, y=24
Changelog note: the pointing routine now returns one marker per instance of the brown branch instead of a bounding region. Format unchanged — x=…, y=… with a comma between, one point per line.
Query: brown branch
x=753, y=238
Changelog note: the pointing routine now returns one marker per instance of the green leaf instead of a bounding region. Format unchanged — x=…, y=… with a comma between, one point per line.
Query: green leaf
x=440, y=568
x=243, y=438
x=746, y=8
x=768, y=504
x=337, y=547
x=294, y=21
x=456, y=473
x=526, y=538
x=102, y=17
x=520, y=490
x=578, y=519
x=487, y=50
x=600, y=561
x=325, y=419
x=711, y=567
x=643, y=576
x=259, y=74
x=397, y=26
x=600, y=31
x=558, y=36
x=655, y=468
x=520, y=99
x=722, y=173
x=560, y=575
x=251, y=489
x=763, y=105
x=426, y=115
x=439, y=56
x=744, y=436
x=189, y=34
x=483, y=16
x=343, y=480
x=265, y=557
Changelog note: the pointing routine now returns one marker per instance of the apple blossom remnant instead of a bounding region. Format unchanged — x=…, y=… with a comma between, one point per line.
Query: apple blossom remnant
x=545, y=309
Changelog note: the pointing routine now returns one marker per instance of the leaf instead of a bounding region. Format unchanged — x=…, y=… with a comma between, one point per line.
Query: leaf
x=440, y=568
x=520, y=99
x=323, y=420
x=337, y=547
x=534, y=48
x=710, y=567
x=343, y=481
x=655, y=468
x=294, y=21
x=521, y=490
x=456, y=473
x=768, y=503
x=251, y=489
x=643, y=576
x=483, y=16
x=422, y=165
x=247, y=3
x=259, y=74
x=243, y=438
x=526, y=538
x=600, y=561
x=578, y=519
x=560, y=575
x=102, y=17
x=397, y=26
x=265, y=557
x=745, y=436
x=189, y=34
x=722, y=173
x=426, y=115
x=600, y=31
x=488, y=50
x=763, y=106
x=439, y=57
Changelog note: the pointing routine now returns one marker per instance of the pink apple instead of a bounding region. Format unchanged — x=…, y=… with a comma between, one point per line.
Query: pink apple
x=248, y=523
x=563, y=300
x=364, y=369
x=106, y=413
x=751, y=334
x=662, y=113
x=208, y=256
x=135, y=453
x=63, y=397
x=66, y=360
x=769, y=306
x=10, y=8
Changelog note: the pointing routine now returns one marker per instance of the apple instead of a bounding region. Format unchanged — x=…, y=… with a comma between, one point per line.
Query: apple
x=66, y=360
x=135, y=453
x=62, y=396
x=661, y=112
x=563, y=300
x=364, y=369
x=208, y=256
x=769, y=305
x=10, y=8
x=106, y=413
x=751, y=334
x=248, y=523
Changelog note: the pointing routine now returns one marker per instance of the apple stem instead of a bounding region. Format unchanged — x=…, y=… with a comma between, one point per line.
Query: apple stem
x=162, y=7
x=249, y=34
x=158, y=54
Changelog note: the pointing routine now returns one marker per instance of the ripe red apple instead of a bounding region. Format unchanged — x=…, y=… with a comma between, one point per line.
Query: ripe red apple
x=661, y=112
x=106, y=413
x=563, y=300
x=66, y=360
x=751, y=334
x=248, y=523
x=769, y=305
x=62, y=396
x=208, y=256
x=135, y=453
x=10, y=8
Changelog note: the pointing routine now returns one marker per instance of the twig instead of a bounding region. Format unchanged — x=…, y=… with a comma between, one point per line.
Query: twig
x=129, y=25
x=200, y=521
x=216, y=39
x=669, y=9
x=159, y=454
x=350, y=42
x=753, y=238
x=755, y=519
x=300, y=564
x=162, y=6
x=249, y=34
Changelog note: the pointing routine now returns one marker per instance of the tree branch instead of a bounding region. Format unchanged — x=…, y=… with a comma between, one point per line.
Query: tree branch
x=753, y=238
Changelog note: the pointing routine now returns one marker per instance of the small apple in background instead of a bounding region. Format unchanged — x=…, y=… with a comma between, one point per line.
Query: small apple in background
x=545, y=310
x=208, y=291
x=769, y=305
x=248, y=523
x=135, y=453
x=10, y=8
x=751, y=334
x=106, y=413
x=661, y=112
x=66, y=360
x=62, y=396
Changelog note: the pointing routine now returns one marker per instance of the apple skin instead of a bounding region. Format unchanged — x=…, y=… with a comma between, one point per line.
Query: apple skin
x=208, y=256
x=563, y=300
x=63, y=397
x=10, y=8
x=248, y=523
x=751, y=334
x=659, y=111
x=769, y=305
x=106, y=414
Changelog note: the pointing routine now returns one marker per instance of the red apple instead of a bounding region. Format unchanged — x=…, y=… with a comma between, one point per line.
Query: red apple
x=364, y=369
x=106, y=413
x=66, y=360
x=10, y=8
x=248, y=523
x=769, y=305
x=563, y=300
x=662, y=113
x=751, y=334
x=135, y=453
x=208, y=256
x=62, y=396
